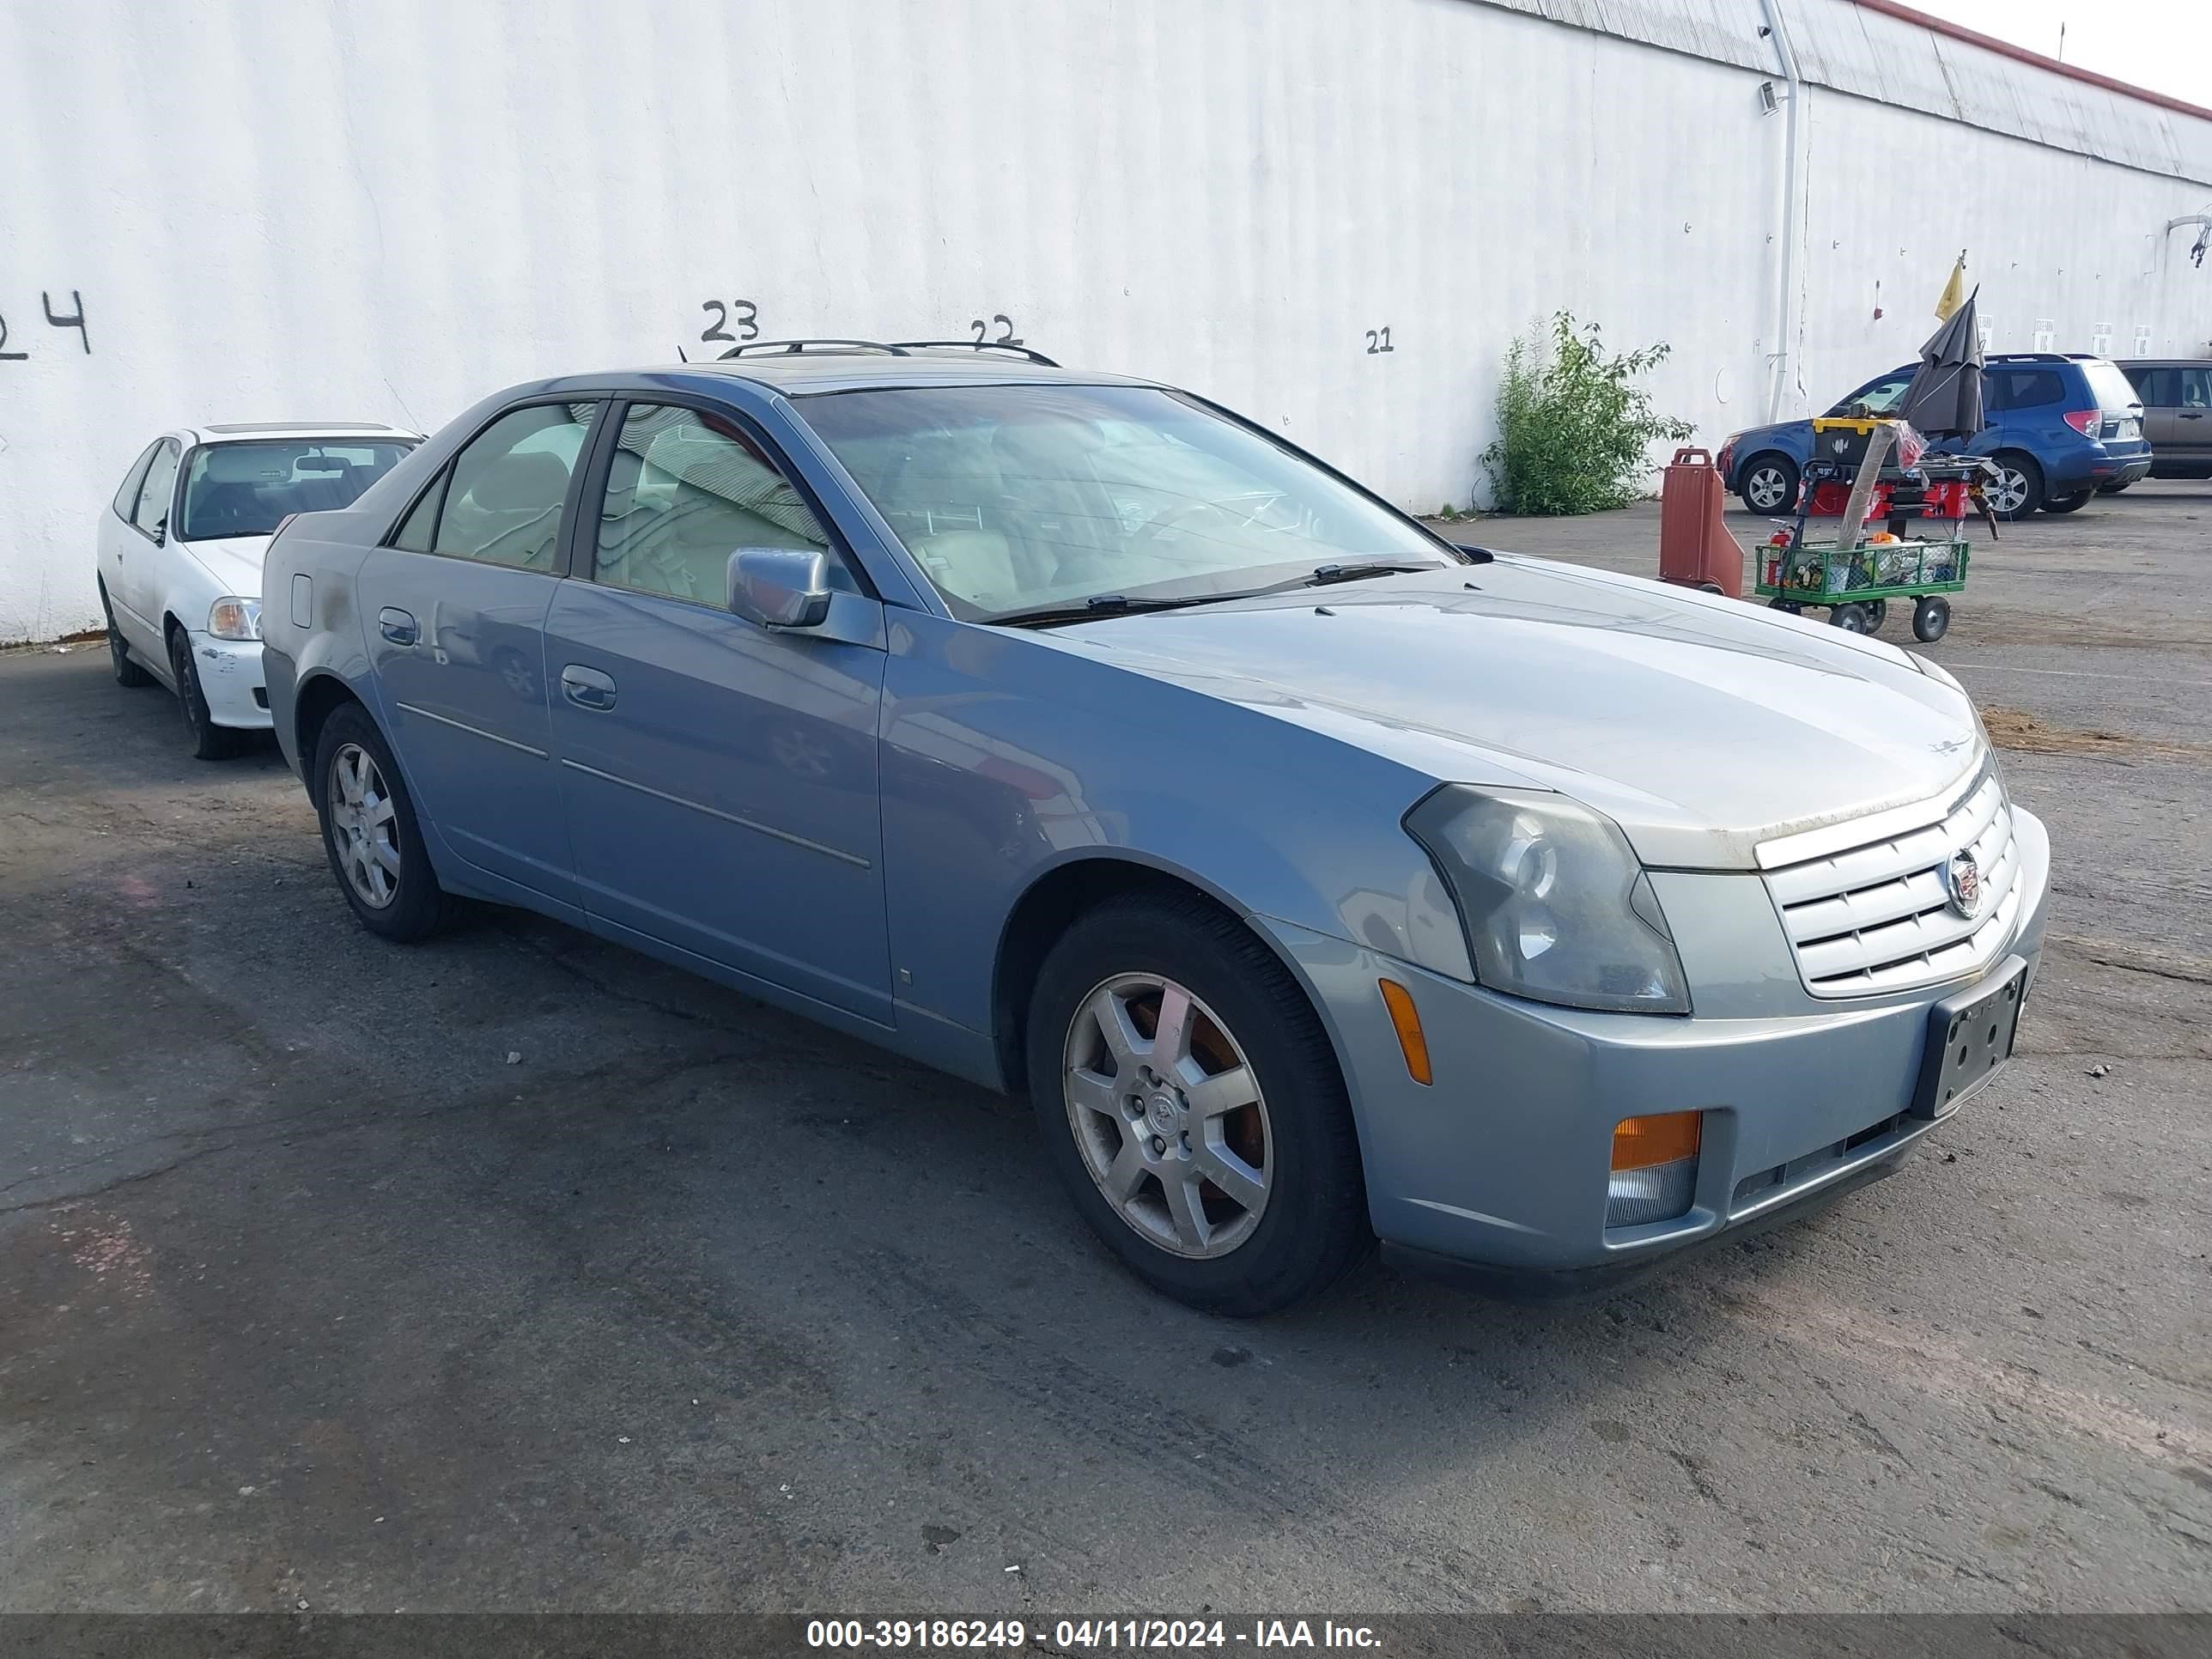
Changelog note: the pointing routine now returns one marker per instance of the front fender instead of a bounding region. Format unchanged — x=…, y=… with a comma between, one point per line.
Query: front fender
x=1005, y=758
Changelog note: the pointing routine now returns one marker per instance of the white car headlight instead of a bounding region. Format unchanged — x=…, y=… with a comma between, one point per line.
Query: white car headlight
x=235, y=619
x=1555, y=903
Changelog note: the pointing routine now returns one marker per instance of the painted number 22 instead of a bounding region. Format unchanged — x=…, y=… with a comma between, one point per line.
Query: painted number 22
x=1006, y=336
x=1378, y=342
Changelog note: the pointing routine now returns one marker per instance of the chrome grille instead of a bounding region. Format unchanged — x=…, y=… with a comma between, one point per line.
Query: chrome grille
x=1877, y=917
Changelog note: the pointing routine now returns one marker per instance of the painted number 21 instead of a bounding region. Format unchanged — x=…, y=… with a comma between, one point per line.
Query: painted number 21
x=1378, y=342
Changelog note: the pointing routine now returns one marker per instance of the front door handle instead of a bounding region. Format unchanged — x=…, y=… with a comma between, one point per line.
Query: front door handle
x=397, y=626
x=2192, y=414
x=587, y=688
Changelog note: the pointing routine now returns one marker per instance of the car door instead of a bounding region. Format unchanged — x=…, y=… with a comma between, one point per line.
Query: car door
x=142, y=549
x=454, y=608
x=117, y=534
x=2188, y=417
x=719, y=776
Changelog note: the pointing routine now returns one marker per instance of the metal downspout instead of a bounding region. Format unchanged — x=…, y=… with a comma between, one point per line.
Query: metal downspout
x=1784, y=356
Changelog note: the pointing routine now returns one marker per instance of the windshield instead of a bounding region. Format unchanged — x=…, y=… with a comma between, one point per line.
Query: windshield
x=1016, y=497
x=248, y=490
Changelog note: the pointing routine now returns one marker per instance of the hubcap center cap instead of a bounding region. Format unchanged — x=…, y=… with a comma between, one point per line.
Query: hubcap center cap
x=1165, y=1115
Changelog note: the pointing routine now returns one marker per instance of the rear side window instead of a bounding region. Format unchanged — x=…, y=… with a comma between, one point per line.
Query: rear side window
x=152, y=515
x=505, y=492
x=126, y=498
x=2020, y=388
x=2194, y=387
x=418, y=531
x=2113, y=392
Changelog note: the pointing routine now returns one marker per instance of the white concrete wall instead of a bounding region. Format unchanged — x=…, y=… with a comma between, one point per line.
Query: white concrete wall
x=281, y=208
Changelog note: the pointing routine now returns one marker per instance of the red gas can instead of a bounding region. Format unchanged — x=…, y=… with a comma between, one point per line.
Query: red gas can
x=1695, y=548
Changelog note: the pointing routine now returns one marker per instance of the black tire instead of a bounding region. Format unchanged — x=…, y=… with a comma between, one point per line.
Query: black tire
x=1852, y=618
x=127, y=670
x=1789, y=605
x=1877, y=614
x=2115, y=488
x=417, y=907
x=1767, y=483
x=2073, y=503
x=209, y=741
x=1931, y=619
x=1313, y=1227
x=2026, y=495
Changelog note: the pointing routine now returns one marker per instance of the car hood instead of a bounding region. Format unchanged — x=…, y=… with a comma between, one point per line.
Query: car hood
x=1703, y=725
x=234, y=562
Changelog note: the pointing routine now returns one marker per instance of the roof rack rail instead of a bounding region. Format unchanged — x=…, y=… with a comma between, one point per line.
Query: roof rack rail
x=1015, y=346
x=793, y=348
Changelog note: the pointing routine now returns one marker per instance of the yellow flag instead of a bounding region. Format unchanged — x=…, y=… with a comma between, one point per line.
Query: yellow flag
x=1954, y=291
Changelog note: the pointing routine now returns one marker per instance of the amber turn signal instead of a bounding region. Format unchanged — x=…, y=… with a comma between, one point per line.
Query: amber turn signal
x=1407, y=1020
x=1640, y=1142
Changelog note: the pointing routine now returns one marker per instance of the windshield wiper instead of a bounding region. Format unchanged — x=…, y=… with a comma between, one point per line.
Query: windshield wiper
x=1121, y=604
x=1102, y=604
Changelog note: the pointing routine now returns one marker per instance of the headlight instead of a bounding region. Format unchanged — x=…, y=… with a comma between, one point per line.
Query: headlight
x=235, y=619
x=1555, y=905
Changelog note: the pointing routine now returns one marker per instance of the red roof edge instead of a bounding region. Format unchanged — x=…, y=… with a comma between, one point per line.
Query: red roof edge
x=2021, y=54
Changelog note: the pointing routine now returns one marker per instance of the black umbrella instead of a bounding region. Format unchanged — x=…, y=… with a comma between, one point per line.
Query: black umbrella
x=1945, y=397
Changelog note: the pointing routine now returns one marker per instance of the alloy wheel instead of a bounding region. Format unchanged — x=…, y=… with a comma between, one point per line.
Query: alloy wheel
x=1764, y=488
x=1168, y=1115
x=2009, y=491
x=364, y=826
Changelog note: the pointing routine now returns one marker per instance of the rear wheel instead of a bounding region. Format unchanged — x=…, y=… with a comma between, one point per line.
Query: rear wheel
x=2073, y=503
x=1877, y=614
x=1931, y=619
x=1768, y=483
x=1852, y=618
x=1193, y=1108
x=127, y=670
x=2017, y=489
x=1789, y=605
x=369, y=832
x=209, y=741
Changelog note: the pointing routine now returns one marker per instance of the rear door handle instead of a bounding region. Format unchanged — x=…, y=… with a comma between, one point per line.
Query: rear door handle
x=397, y=626
x=2192, y=414
x=587, y=688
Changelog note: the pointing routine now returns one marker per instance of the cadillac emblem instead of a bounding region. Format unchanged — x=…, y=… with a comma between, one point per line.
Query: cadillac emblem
x=1962, y=882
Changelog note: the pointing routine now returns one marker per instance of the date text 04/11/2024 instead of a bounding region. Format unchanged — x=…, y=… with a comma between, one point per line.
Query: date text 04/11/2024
x=1071, y=1635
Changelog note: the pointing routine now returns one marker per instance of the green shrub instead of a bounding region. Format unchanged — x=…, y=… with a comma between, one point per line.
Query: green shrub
x=1573, y=427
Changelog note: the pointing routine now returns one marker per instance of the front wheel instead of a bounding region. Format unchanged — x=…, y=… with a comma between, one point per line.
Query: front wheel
x=369, y=832
x=1852, y=618
x=1931, y=619
x=209, y=741
x=1768, y=484
x=2073, y=503
x=1192, y=1107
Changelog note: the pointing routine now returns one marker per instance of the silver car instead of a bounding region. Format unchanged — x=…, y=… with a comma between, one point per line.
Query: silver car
x=1319, y=881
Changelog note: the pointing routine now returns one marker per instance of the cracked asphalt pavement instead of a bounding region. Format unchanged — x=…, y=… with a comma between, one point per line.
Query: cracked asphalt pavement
x=309, y=1297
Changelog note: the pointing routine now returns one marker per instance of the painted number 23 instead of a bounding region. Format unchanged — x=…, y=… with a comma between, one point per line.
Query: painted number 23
x=743, y=312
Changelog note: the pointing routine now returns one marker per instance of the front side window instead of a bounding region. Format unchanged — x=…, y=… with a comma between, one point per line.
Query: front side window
x=126, y=498
x=249, y=489
x=685, y=489
x=504, y=496
x=1016, y=497
x=152, y=515
x=1880, y=399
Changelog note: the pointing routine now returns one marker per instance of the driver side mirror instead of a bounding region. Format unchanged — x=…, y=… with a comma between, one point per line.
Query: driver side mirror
x=779, y=587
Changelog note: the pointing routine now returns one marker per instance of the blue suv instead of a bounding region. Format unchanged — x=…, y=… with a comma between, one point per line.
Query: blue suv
x=2060, y=427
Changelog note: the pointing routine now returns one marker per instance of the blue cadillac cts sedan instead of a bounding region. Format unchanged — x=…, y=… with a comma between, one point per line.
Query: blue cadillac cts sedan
x=1317, y=880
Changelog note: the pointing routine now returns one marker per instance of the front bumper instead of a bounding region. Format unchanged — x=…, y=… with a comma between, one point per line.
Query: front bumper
x=1503, y=1161
x=230, y=680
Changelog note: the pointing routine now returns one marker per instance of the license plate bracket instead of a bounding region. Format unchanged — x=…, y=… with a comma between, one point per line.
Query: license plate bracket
x=1970, y=1037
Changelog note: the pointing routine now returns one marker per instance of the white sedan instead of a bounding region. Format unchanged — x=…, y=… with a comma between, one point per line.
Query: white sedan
x=180, y=552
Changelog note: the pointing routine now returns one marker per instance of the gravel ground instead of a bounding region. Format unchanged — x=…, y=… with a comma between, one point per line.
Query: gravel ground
x=310, y=1295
